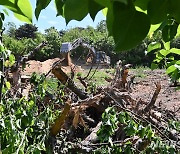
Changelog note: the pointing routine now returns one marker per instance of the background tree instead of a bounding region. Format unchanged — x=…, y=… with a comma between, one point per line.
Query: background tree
x=10, y=29
x=54, y=42
x=26, y=30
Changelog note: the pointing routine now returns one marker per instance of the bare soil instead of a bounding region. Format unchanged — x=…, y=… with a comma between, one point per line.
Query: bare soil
x=143, y=87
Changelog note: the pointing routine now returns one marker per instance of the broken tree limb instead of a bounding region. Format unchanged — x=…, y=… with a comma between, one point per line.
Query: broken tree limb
x=153, y=100
x=64, y=79
x=60, y=120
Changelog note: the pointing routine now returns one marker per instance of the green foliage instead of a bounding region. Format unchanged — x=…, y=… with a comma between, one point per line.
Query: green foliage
x=40, y=5
x=10, y=29
x=109, y=124
x=148, y=142
x=54, y=42
x=27, y=31
x=22, y=9
x=167, y=57
x=22, y=128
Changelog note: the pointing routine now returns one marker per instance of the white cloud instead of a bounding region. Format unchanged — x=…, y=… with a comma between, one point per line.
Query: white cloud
x=51, y=22
x=43, y=17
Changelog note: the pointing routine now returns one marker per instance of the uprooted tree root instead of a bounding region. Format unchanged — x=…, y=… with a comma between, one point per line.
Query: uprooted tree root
x=79, y=121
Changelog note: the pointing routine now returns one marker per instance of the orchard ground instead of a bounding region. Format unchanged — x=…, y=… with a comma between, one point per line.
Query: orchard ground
x=143, y=87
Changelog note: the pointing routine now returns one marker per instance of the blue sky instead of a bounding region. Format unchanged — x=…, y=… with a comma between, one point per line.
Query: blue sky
x=48, y=19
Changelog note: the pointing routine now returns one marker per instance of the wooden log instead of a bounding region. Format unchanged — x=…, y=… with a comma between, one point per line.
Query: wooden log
x=64, y=79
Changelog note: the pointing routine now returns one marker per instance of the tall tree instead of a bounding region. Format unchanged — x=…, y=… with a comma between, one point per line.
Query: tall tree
x=26, y=30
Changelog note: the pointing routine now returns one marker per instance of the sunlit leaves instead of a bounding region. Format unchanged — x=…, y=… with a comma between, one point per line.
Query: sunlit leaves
x=21, y=8
x=154, y=45
x=126, y=25
x=26, y=8
x=40, y=5
x=176, y=51
x=171, y=69
x=164, y=52
x=8, y=85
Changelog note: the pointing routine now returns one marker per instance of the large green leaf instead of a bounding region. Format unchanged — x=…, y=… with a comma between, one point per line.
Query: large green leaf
x=59, y=7
x=21, y=8
x=154, y=45
x=174, y=9
x=104, y=3
x=154, y=66
x=176, y=51
x=167, y=45
x=40, y=5
x=75, y=9
x=142, y=4
x=128, y=26
x=26, y=8
x=171, y=69
x=169, y=32
x=122, y=1
x=157, y=10
x=164, y=52
x=94, y=8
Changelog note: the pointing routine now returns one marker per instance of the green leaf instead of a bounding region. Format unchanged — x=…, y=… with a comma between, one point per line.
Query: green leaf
x=177, y=66
x=157, y=10
x=40, y=5
x=159, y=57
x=128, y=26
x=8, y=85
x=104, y=11
x=167, y=45
x=176, y=51
x=12, y=59
x=154, y=66
x=94, y=8
x=2, y=16
x=164, y=52
x=141, y=131
x=178, y=62
x=154, y=45
x=20, y=8
x=1, y=23
x=169, y=32
x=171, y=69
x=59, y=7
x=26, y=8
x=153, y=28
x=171, y=58
x=174, y=9
x=75, y=9
x=105, y=3
x=142, y=4
x=122, y=1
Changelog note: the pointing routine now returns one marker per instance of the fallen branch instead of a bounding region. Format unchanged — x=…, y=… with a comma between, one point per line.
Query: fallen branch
x=59, y=122
x=153, y=100
x=64, y=79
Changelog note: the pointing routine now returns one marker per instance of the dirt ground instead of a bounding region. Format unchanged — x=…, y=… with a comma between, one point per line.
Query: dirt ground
x=143, y=87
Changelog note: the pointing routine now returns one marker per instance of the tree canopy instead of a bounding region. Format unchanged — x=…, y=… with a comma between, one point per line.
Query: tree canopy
x=128, y=21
